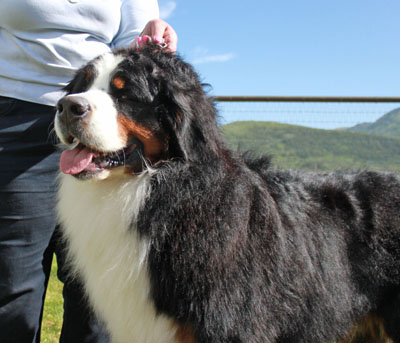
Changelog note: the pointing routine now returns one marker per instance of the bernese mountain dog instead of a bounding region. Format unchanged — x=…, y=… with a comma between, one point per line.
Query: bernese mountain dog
x=179, y=239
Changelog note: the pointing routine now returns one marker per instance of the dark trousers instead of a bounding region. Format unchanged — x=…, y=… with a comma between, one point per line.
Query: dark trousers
x=28, y=234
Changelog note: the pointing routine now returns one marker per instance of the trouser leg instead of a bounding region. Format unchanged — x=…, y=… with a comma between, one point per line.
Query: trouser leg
x=27, y=221
x=25, y=262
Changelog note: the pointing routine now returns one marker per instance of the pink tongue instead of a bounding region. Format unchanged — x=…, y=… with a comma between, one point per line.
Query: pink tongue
x=76, y=160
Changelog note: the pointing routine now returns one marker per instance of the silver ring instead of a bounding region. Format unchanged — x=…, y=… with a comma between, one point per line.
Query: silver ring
x=162, y=45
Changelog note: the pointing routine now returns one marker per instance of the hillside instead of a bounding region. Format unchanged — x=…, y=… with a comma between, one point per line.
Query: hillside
x=300, y=147
x=388, y=125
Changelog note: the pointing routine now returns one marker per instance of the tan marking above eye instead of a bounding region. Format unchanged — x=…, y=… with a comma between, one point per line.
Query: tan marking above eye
x=118, y=82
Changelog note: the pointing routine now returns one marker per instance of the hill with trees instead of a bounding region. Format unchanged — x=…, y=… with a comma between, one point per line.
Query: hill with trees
x=292, y=146
x=388, y=125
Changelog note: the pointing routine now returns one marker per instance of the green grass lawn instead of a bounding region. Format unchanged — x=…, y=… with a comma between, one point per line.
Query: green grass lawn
x=53, y=309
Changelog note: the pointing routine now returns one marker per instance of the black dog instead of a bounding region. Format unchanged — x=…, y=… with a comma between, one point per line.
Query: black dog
x=179, y=239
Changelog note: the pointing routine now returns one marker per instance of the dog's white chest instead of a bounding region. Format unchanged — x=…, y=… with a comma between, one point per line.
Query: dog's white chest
x=98, y=220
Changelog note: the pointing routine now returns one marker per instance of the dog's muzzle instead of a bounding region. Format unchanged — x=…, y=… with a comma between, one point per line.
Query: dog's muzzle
x=72, y=108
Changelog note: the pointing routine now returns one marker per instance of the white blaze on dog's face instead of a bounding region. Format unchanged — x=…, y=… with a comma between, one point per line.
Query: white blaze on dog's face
x=101, y=121
x=101, y=124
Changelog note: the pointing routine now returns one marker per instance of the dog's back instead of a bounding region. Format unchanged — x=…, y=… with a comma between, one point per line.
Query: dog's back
x=345, y=230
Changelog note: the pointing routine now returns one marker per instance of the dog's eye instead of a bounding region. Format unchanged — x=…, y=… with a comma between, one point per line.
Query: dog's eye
x=118, y=82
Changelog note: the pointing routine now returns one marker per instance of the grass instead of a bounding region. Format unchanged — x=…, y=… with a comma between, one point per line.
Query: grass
x=53, y=309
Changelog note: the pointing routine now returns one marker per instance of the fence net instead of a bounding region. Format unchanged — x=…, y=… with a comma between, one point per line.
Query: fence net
x=324, y=115
x=260, y=127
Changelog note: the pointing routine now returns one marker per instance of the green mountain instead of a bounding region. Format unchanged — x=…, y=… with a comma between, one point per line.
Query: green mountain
x=299, y=147
x=388, y=125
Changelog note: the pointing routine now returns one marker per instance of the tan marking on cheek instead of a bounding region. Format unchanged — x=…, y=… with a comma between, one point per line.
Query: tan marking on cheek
x=153, y=146
x=118, y=82
x=184, y=334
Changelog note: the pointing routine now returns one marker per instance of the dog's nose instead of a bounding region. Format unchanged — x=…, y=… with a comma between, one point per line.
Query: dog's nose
x=73, y=106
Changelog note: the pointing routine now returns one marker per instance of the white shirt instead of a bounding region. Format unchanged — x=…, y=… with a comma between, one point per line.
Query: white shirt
x=43, y=42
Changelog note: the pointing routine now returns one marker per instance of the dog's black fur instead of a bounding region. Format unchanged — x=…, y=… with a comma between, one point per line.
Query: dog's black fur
x=241, y=252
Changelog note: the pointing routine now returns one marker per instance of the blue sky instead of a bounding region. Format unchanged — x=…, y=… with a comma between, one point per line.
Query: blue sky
x=308, y=47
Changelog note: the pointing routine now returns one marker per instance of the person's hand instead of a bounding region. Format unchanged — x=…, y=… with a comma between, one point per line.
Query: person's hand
x=160, y=32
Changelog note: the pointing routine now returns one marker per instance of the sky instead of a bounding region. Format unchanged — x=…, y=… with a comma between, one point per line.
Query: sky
x=290, y=48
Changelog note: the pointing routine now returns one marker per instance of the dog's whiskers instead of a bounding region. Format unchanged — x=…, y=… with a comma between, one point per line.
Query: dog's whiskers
x=52, y=136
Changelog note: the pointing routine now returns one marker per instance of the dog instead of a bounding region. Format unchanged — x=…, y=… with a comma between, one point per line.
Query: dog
x=179, y=239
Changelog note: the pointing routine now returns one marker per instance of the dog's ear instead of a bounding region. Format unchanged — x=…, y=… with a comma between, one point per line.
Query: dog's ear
x=189, y=135
x=177, y=113
x=192, y=115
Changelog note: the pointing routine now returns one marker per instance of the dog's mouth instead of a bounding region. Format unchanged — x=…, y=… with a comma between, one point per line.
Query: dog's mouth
x=82, y=159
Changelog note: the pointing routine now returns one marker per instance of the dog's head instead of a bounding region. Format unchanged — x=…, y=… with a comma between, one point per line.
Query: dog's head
x=128, y=110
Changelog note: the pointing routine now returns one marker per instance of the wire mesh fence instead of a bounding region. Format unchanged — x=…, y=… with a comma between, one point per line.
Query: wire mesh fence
x=357, y=133
x=316, y=112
